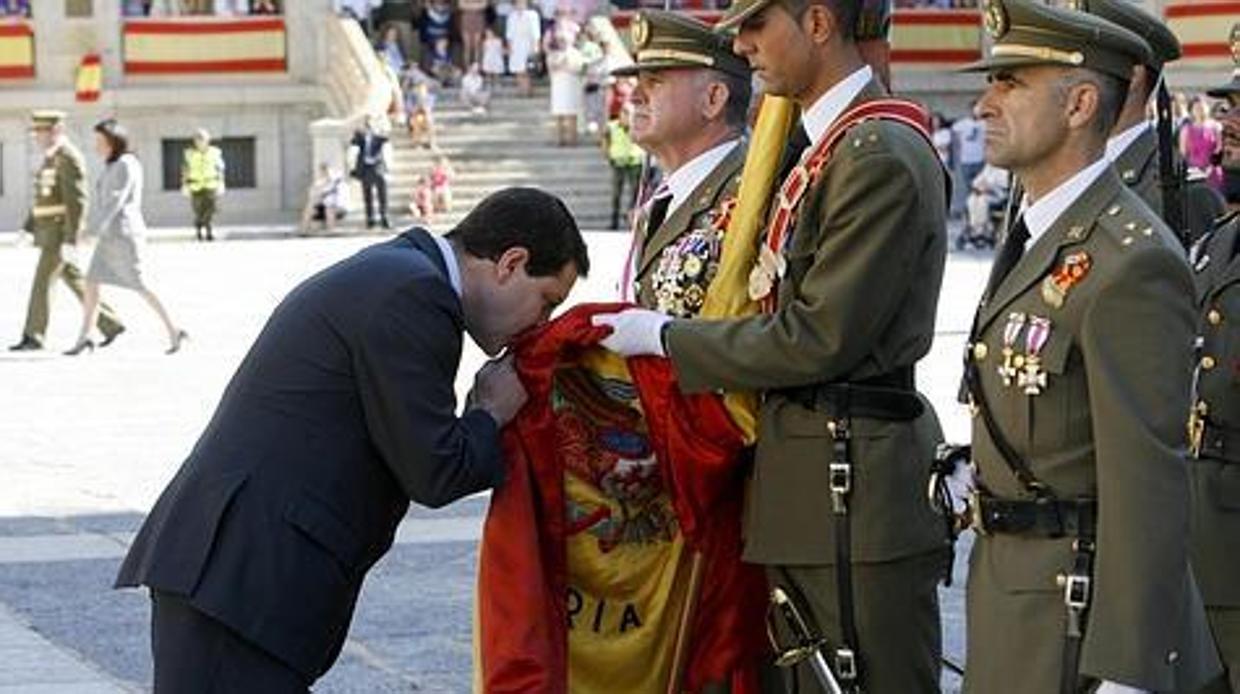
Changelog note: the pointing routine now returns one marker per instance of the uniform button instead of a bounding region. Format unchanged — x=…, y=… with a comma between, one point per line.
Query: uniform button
x=1207, y=362
x=1172, y=657
x=980, y=351
x=1214, y=317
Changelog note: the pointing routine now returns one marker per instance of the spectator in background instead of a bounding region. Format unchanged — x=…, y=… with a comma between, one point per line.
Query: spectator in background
x=625, y=159
x=474, y=92
x=116, y=221
x=472, y=16
x=389, y=48
x=15, y=8
x=370, y=150
x=129, y=8
x=1201, y=143
x=442, y=67
x=596, y=76
x=941, y=137
x=492, y=58
x=433, y=24
x=264, y=7
x=420, y=97
x=523, y=33
x=442, y=174
x=202, y=181
x=360, y=10
x=422, y=201
x=564, y=65
x=327, y=200
x=969, y=135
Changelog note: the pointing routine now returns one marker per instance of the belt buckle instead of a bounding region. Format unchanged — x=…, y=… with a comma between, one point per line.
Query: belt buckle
x=846, y=664
x=1076, y=591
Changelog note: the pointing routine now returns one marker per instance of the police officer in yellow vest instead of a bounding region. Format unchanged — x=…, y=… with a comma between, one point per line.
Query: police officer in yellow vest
x=202, y=179
x=56, y=220
x=625, y=158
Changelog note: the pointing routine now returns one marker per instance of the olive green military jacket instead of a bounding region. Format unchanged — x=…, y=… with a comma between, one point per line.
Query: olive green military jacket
x=864, y=268
x=680, y=258
x=60, y=190
x=1216, y=474
x=1107, y=421
x=1138, y=167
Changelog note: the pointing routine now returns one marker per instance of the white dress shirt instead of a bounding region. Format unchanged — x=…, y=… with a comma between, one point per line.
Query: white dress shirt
x=1042, y=214
x=689, y=175
x=449, y=259
x=819, y=117
x=1117, y=145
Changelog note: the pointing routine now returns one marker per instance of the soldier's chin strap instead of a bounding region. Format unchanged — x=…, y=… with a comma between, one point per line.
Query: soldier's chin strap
x=1171, y=173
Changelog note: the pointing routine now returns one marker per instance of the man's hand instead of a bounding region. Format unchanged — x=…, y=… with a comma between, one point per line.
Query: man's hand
x=498, y=390
x=634, y=332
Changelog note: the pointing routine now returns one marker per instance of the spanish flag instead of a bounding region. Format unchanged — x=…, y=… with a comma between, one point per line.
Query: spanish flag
x=89, y=80
x=16, y=50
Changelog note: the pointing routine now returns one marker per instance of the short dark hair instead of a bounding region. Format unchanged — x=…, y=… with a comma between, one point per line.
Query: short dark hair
x=740, y=92
x=527, y=217
x=846, y=13
x=1112, y=93
x=116, y=135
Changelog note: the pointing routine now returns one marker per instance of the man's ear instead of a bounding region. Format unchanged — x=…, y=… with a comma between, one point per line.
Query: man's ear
x=510, y=262
x=818, y=23
x=1082, y=105
x=715, y=100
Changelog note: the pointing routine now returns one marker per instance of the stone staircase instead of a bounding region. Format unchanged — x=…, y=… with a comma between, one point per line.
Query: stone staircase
x=512, y=144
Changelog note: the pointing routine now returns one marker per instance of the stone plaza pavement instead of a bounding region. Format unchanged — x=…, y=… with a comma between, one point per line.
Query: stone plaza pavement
x=87, y=443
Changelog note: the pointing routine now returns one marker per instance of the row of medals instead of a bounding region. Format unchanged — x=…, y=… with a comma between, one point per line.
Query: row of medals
x=1024, y=370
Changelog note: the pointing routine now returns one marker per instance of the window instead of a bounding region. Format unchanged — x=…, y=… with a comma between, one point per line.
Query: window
x=240, y=169
x=78, y=8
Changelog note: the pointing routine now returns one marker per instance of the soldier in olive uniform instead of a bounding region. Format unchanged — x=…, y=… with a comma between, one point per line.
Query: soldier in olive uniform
x=55, y=220
x=850, y=273
x=1079, y=576
x=1214, y=426
x=1133, y=147
x=1231, y=126
x=689, y=110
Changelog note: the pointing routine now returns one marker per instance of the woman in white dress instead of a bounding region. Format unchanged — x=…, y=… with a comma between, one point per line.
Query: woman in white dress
x=116, y=220
x=523, y=31
x=566, y=67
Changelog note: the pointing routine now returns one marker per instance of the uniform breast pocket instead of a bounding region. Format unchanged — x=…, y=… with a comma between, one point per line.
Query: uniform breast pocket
x=1227, y=307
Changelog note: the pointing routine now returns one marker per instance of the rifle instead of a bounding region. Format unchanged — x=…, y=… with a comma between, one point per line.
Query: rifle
x=1171, y=173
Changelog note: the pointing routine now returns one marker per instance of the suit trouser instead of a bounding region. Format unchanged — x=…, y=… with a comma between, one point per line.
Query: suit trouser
x=1225, y=625
x=52, y=263
x=195, y=654
x=373, y=183
x=203, y=203
x=896, y=604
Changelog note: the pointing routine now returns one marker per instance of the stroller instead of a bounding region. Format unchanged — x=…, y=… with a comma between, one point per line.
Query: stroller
x=986, y=205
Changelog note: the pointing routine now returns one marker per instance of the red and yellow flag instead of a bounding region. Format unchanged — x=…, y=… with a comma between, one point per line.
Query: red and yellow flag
x=89, y=82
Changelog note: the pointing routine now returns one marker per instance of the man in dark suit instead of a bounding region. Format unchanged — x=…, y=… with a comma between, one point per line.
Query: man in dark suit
x=370, y=167
x=342, y=412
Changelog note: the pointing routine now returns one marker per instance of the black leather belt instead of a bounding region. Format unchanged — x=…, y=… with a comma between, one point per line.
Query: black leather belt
x=1220, y=443
x=891, y=396
x=1045, y=517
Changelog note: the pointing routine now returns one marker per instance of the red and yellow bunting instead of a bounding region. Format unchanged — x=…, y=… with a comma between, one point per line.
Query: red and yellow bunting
x=16, y=50
x=1202, y=27
x=935, y=38
x=89, y=80
x=168, y=47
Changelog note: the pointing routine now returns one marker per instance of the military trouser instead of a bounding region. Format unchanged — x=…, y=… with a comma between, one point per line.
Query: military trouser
x=203, y=203
x=1225, y=625
x=52, y=263
x=896, y=605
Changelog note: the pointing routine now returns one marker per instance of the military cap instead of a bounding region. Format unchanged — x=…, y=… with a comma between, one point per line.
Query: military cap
x=1232, y=87
x=47, y=118
x=663, y=40
x=1164, y=46
x=873, y=17
x=1028, y=33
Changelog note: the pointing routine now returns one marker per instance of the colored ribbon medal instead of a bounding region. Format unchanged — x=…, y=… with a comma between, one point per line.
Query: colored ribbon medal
x=1033, y=376
x=1056, y=286
x=1011, y=333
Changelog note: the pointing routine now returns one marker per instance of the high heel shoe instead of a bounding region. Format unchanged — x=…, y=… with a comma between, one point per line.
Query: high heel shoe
x=84, y=345
x=177, y=339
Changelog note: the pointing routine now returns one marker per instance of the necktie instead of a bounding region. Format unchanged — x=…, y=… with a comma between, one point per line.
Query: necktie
x=658, y=209
x=797, y=143
x=1009, y=255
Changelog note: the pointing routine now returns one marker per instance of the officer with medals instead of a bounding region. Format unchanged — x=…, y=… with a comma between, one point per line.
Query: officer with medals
x=56, y=219
x=1214, y=424
x=1188, y=206
x=689, y=112
x=1079, y=578
x=849, y=273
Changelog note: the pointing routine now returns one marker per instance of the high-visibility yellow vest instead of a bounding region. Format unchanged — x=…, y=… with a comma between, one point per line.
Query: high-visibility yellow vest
x=621, y=150
x=203, y=169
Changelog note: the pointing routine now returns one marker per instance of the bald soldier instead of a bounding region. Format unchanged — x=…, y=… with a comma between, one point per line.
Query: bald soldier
x=689, y=109
x=56, y=218
x=1134, y=144
x=1079, y=578
x=849, y=274
x=1214, y=425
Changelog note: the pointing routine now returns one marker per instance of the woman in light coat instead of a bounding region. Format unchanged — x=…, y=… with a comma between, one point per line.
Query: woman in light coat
x=116, y=220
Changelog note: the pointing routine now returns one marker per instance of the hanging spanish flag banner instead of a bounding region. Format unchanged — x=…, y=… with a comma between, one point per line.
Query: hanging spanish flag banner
x=89, y=82
x=16, y=50
x=936, y=39
x=1201, y=26
x=172, y=46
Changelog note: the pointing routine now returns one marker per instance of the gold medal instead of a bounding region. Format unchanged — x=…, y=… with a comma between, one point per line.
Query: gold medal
x=760, y=283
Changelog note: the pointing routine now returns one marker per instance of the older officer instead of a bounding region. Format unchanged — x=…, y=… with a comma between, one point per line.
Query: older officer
x=56, y=220
x=1214, y=428
x=689, y=110
x=1079, y=576
x=1134, y=143
x=850, y=272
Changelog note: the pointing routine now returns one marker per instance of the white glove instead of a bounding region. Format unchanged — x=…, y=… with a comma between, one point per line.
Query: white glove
x=961, y=485
x=635, y=332
x=1112, y=688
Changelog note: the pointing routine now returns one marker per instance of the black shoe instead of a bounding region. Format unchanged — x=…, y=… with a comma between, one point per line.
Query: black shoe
x=385, y=224
x=370, y=224
x=210, y=236
x=109, y=338
x=83, y=345
x=27, y=344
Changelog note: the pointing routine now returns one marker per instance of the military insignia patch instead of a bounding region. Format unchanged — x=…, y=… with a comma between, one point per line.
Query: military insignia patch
x=640, y=31
x=1074, y=269
x=995, y=18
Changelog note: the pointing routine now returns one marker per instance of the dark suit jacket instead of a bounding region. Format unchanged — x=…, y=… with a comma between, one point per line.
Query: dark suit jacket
x=372, y=150
x=342, y=412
